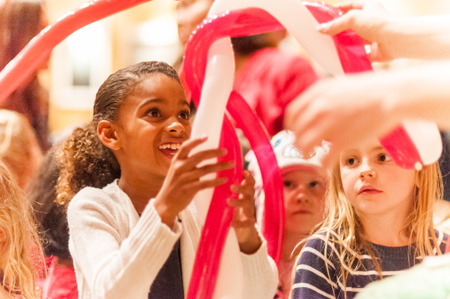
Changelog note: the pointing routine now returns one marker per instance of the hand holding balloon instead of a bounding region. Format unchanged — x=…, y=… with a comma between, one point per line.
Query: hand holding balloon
x=367, y=20
x=244, y=220
x=424, y=37
x=183, y=180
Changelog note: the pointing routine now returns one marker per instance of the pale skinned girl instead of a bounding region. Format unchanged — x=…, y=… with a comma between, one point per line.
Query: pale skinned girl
x=133, y=230
x=378, y=223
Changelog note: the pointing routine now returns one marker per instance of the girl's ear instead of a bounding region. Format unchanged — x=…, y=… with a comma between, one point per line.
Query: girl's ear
x=107, y=133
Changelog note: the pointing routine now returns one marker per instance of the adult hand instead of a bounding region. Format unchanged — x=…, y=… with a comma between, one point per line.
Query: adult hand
x=244, y=221
x=367, y=19
x=344, y=111
x=184, y=179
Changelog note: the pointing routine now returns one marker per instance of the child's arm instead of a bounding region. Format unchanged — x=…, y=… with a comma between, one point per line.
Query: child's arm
x=118, y=254
x=244, y=221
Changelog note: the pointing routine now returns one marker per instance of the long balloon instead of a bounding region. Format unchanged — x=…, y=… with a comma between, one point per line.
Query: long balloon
x=40, y=47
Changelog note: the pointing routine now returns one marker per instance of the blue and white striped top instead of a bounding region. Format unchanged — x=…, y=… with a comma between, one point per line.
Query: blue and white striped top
x=312, y=281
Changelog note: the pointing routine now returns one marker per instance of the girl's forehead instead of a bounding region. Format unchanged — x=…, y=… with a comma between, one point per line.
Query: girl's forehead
x=368, y=147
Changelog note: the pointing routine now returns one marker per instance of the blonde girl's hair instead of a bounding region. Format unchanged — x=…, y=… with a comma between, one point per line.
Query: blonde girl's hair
x=21, y=254
x=342, y=226
x=19, y=148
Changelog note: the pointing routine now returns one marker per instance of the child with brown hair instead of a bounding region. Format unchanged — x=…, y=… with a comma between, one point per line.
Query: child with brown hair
x=133, y=229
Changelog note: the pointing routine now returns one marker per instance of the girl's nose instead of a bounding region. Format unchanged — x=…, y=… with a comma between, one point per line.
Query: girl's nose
x=366, y=170
x=301, y=196
x=175, y=127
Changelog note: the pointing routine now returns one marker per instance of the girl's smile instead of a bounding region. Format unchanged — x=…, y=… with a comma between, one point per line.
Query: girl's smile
x=170, y=149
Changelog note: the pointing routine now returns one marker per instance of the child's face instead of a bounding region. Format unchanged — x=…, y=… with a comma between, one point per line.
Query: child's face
x=304, y=192
x=374, y=184
x=153, y=122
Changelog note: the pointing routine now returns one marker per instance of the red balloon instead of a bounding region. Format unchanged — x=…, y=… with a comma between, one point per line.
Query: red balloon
x=217, y=223
x=250, y=21
x=40, y=47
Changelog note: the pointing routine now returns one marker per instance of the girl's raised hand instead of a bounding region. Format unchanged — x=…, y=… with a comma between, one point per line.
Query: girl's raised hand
x=183, y=180
x=244, y=221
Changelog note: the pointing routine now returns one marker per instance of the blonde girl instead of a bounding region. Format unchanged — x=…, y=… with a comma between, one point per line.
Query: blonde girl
x=19, y=244
x=379, y=221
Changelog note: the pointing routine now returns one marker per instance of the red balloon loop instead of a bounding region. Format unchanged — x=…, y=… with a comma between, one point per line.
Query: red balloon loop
x=249, y=123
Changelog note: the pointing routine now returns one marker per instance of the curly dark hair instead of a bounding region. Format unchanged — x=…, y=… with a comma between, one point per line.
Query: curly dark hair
x=85, y=161
x=50, y=216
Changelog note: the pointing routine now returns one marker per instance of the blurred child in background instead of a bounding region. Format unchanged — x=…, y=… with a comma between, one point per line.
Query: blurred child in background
x=305, y=184
x=60, y=282
x=19, y=148
x=21, y=255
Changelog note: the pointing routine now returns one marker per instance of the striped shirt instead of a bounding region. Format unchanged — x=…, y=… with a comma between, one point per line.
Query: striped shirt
x=312, y=281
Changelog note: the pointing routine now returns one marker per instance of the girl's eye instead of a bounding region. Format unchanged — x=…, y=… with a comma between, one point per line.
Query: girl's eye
x=153, y=113
x=185, y=115
x=384, y=158
x=288, y=184
x=351, y=161
x=313, y=184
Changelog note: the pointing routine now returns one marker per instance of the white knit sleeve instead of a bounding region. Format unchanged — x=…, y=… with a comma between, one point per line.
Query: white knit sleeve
x=108, y=264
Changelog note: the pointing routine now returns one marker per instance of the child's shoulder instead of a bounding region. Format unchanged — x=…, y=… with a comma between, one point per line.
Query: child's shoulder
x=94, y=198
x=322, y=240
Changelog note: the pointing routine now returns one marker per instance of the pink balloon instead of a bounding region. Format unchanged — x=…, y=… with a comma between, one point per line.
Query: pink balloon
x=40, y=47
x=196, y=57
x=249, y=21
x=273, y=224
x=217, y=224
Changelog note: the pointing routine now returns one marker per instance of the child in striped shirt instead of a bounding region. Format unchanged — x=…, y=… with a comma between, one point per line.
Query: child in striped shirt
x=378, y=223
